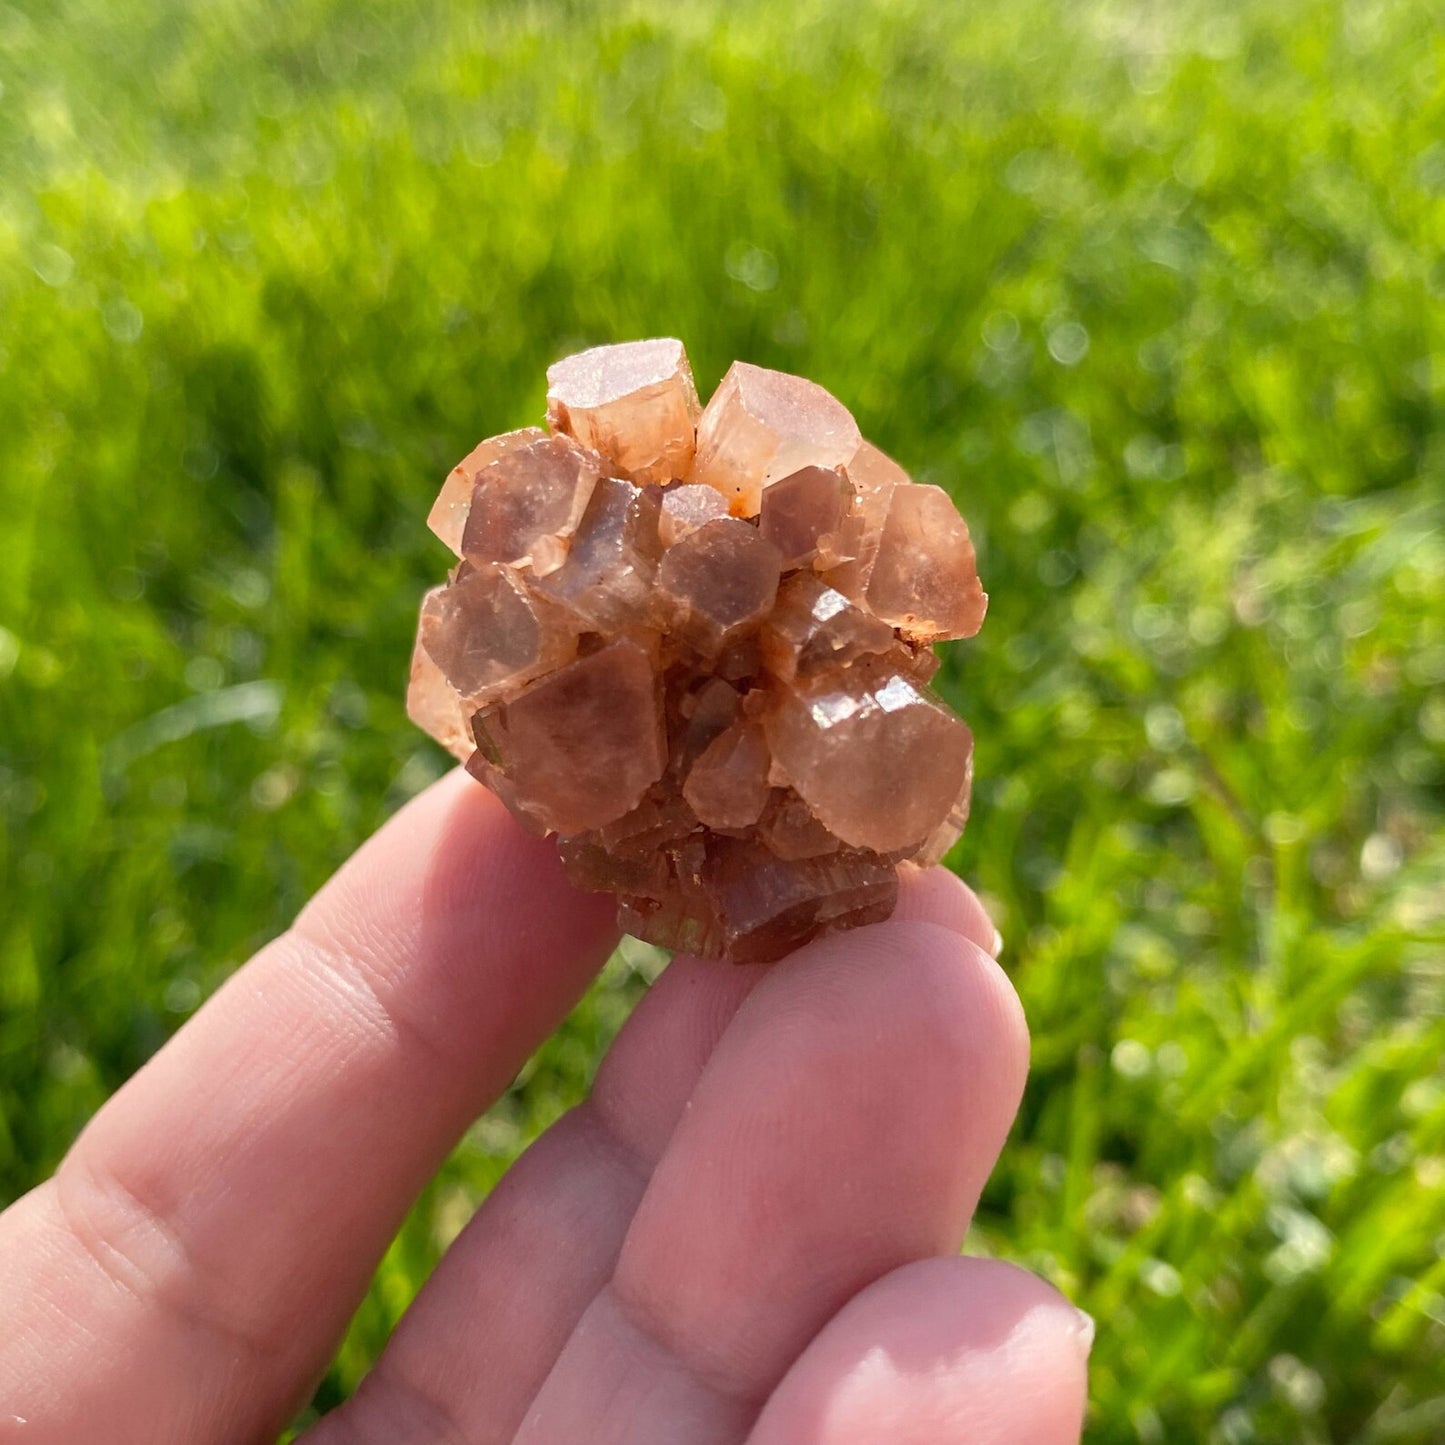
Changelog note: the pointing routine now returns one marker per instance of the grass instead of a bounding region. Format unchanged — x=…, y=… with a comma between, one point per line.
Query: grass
x=1155, y=290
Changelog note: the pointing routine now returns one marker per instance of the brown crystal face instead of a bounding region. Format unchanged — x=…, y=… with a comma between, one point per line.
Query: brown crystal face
x=924, y=579
x=527, y=504
x=694, y=643
x=606, y=580
x=917, y=757
x=434, y=705
x=448, y=516
x=814, y=629
x=717, y=583
x=766, y=906
x=489, y=636
x=727, y=785
x=583, y=745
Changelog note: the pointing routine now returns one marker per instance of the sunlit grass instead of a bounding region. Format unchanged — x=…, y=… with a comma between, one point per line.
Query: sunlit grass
x=1156, y=291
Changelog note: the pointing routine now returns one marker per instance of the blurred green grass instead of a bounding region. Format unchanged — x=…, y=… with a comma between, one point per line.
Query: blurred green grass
x=1156, y=290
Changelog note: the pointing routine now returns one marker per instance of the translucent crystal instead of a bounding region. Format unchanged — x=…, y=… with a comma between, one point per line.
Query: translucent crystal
x=762, y=425
x=951, y=829
x=635, y=402
x=591, y=865
x=527, y=504
x=699, y=713
x=789, y=829
x=924, y=578
x=662, y=821
x=434, y=705
x=766, y=906
x=583, y=745
x=606, y=581
x=846, y=559
x=448, y=516
x=879, y=763
x=681, y=924
x=800, y=510
x=482, y=766
x=728, y=784
x=489, y=636
x=717, y=582
x=813, y=628
x=704, y=670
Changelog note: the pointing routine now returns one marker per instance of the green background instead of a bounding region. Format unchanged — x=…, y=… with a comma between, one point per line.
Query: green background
x=1156, y=290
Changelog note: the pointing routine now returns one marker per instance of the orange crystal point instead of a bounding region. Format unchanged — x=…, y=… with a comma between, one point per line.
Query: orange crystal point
x=761, y=426
x=433, y=704
x=924, y=579
x=634, y=402
x=696, y=647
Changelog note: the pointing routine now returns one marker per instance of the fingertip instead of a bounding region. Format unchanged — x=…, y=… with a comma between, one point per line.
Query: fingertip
x=961, y=988
x=980, y=1302
x=948, y=1348
x=934, y=895
x=934, y=990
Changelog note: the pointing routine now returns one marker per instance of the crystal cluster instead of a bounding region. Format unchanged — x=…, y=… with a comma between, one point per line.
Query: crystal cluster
x=695, y=643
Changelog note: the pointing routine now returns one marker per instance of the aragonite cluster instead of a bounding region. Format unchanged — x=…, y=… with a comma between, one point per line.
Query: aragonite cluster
x=695, y=643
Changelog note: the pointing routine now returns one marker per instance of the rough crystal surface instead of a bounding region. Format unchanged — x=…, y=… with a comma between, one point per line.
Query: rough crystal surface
x=695, y=644
x=686, y=508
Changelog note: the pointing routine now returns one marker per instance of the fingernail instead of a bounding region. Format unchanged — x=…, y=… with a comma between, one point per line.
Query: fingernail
x=1086, y=1332
x=997, y=947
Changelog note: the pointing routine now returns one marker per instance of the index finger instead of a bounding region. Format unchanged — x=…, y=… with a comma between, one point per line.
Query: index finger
x=188, y=1271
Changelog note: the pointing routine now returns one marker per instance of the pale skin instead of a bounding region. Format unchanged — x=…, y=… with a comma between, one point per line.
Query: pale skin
x=748, y=1232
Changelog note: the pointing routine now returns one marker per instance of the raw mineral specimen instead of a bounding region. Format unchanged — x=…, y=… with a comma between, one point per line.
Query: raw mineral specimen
x=695, y=643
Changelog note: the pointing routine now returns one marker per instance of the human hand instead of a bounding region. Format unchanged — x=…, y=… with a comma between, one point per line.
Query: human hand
x=747, y=1232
